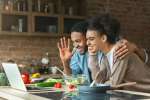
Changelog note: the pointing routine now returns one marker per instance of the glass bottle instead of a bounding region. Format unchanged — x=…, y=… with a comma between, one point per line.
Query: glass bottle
x=70, y=10
x=45, y=63
x=18, y=6
x=10, y=4
x=46, y=8
x=6, y=7
x=24, y=5
x=45, y=59
x=39, y=5
x=20, y=24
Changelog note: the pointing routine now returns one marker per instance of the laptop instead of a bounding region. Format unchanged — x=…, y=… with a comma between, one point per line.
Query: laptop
x=16, y=82
x=14, y=76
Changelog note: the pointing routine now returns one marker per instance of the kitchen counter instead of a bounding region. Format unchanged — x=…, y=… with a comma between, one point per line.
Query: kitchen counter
x=7, y=93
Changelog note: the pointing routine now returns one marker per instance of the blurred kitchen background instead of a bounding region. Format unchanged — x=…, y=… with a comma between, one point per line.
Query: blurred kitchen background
x=30, y=29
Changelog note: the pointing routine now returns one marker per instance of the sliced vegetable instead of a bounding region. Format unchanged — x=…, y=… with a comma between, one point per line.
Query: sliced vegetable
x=71, y=86
x=45, y=84
x=54, y=80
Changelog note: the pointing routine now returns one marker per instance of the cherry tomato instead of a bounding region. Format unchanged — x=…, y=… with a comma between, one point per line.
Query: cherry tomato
x=55, y=85
x=71, y=86
x=58, y=85
x=25, y=78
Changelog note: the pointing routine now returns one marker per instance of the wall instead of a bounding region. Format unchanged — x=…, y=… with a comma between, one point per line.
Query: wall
x=28, y=50
x=134, y=16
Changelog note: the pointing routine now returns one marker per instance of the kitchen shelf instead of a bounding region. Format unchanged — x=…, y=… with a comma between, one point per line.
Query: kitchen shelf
x=40, y=17
x=15, y=13
x=35, y=34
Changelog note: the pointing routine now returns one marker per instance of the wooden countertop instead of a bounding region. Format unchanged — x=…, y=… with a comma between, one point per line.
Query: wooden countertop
x=9, y=93
x=133, y=92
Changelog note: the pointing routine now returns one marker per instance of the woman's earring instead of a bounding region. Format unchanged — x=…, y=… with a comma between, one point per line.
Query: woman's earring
x=104, y=38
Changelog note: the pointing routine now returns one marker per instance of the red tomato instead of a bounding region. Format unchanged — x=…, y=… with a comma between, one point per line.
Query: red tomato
x=55, y=85
x=25, y=78
x=71, y=86
x=58, y=85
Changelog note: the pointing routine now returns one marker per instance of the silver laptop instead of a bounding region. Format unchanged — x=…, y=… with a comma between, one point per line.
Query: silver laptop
x=14, y=76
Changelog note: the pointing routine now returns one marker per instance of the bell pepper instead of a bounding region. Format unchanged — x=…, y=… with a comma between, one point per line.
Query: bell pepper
x=36, y=75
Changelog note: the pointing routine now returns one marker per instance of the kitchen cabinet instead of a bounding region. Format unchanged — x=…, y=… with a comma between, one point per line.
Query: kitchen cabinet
x=40, y=17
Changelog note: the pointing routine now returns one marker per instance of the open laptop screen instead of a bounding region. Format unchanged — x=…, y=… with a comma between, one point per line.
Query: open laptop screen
x=14, y=76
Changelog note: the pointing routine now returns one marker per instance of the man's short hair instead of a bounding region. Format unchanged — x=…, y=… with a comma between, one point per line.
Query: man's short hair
x=80, y=27
x=105, y=24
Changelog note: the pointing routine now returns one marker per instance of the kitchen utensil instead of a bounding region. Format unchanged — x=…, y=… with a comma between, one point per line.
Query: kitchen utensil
x=94, y=89
x=102, y=88
x=123, y=85
x=93, y=82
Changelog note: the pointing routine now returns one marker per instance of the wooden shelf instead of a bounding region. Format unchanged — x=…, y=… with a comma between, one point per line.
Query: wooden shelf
x=39, y=23
x=14, y=33
x=35, y=34
x=44, y=14
x=74, y=17
x=15, y=13
x=41, y=34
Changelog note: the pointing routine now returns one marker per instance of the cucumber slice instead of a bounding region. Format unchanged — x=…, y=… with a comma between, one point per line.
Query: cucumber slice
x=45, y=84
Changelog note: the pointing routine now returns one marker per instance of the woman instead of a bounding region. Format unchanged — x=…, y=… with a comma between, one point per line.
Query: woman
x=104, y=30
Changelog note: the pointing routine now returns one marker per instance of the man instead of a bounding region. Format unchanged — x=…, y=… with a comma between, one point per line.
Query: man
x=77, y=62
x=104, y=30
